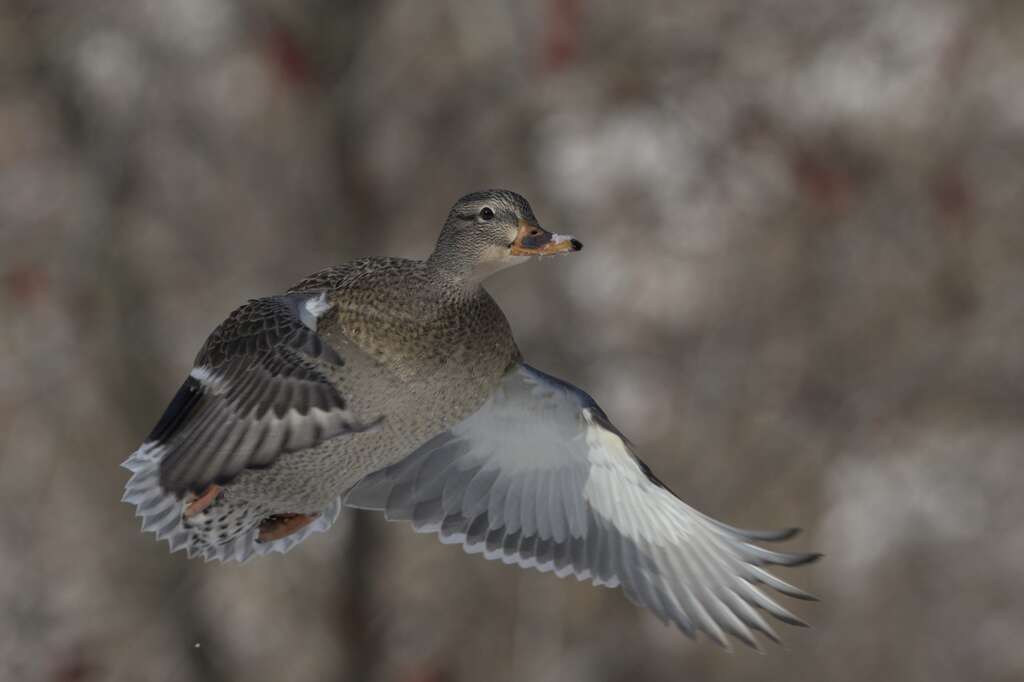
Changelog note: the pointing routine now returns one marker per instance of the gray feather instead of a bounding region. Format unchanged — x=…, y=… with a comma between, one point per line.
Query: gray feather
x=516, y=481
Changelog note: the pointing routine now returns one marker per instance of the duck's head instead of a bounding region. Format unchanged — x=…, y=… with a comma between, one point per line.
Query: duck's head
x=491, y=230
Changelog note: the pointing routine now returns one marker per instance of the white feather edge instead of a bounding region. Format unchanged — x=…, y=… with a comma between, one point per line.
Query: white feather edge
x=313, y=310
x=205, y=375
x=516, y=558
x=597, y=437
x=161, y=514
x=611, y=465
x=218, y=385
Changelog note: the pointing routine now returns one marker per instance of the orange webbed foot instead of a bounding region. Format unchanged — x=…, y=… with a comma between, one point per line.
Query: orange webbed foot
x=201, y=503
x=282, y=525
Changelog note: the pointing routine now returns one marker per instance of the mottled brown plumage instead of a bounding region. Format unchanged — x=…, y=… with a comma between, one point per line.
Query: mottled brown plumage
x=296, y=397
x=396, y=385
x=421, y=351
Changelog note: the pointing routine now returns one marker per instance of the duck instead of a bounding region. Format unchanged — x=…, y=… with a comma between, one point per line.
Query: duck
x=396, y=385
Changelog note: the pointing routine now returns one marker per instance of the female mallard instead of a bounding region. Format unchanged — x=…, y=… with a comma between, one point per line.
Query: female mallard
x=396, y=385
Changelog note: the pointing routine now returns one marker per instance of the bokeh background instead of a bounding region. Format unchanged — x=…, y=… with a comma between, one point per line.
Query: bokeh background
x=802, y=296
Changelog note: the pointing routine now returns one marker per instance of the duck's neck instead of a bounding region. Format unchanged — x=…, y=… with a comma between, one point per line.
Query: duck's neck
x=455, y=276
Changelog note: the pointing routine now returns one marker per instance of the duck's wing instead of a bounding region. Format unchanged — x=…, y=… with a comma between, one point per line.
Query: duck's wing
x=261, y=386
x=541, y=478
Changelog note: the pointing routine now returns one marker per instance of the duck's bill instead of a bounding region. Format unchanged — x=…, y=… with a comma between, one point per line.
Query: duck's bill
x=534, y=240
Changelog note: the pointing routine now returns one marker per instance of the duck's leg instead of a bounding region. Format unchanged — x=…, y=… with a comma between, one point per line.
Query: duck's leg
x=282, y=525
x=199, y=505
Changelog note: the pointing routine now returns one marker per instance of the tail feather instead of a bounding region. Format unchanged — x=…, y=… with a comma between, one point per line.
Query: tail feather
x=162, y=514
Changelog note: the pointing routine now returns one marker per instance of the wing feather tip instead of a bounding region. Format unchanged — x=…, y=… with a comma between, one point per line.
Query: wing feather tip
x=760, y=556
x=803, y=558
x=798, y=623
x=752, y=643
x=781, y=535
x=721, y=640
x=803, y=596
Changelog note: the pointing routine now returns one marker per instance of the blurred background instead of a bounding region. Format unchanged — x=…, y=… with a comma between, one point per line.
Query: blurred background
x=802, y=296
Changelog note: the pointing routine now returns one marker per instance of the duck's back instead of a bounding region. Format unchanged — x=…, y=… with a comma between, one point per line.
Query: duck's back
x=416, y=327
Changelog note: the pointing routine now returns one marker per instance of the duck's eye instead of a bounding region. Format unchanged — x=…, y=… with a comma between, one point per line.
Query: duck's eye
x=486, y=213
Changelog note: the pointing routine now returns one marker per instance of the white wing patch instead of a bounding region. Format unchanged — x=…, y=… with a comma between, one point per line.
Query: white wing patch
x=205, y=376
x=539, y=477
x=618, y=490
x=313, y=310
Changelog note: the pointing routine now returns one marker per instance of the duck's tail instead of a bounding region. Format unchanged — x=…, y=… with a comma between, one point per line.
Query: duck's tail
x=213, y=525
